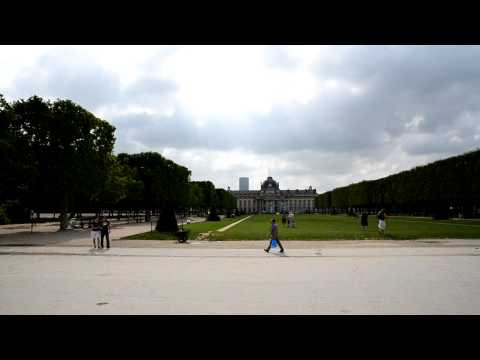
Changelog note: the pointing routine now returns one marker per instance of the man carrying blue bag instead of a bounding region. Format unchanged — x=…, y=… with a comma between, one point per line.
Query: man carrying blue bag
x=274, y=238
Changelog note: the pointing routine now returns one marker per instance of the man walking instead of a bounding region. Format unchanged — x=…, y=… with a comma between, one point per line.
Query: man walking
x=274, y=236
x=105, y=232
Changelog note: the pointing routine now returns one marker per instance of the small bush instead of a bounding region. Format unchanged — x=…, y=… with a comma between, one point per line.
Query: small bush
x=3, y=216
x=16, y=213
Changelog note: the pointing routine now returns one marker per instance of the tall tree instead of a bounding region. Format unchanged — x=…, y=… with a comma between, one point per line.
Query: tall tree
x=68, y=151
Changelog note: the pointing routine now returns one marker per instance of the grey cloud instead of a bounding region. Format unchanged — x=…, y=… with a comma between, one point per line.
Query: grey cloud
x=67, y=74
x=150, y=87
x=322, y=138
x=155, y=131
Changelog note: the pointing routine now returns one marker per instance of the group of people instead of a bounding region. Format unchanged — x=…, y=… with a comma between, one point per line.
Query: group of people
x=289, y=220
x=382, y=225
x=100, y=230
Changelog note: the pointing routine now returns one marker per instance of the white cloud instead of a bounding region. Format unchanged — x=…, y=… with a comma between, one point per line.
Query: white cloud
x=415, y=122
x=324, y=116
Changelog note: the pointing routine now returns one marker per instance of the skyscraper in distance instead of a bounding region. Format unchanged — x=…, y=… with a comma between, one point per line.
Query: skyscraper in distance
x=243, y=184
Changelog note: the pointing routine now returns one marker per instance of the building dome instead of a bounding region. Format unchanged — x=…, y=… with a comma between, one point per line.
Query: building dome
x=270, y=185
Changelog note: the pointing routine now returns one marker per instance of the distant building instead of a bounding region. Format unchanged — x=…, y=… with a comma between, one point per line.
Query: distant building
x=243, y=184
x=271, y=199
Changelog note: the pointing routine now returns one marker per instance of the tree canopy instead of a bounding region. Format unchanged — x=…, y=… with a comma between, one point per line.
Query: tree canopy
x=432, y=189
x=57, y=156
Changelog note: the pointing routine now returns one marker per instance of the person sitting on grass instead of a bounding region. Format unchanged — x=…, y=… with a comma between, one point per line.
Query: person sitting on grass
x=274, y=236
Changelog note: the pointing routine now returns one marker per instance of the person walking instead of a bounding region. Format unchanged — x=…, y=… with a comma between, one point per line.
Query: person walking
x=95, y=233
x=274, y=236
x=382, y=225
x=284, y=218
x=105, y=232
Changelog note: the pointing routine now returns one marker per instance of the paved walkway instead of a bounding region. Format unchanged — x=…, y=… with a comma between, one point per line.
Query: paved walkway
x=52, y=272
x=48, y=234
x=342, y=280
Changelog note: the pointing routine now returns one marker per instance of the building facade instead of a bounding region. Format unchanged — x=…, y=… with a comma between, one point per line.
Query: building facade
x=271, y=199
x=243, y=184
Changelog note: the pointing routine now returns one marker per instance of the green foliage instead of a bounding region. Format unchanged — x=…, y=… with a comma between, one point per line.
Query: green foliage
x=60, y=152
x=58, y=156
x=3, y=216
x=427, y=190
x=15, y=212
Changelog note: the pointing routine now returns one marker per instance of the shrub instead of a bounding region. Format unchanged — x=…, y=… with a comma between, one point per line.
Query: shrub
x=3, y=216
x=15, y=212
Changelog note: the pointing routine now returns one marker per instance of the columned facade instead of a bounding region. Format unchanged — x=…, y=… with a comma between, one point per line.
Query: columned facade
x=271, y=199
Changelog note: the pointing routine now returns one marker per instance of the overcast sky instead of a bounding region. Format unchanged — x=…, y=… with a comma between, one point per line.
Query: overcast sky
x=324, y=116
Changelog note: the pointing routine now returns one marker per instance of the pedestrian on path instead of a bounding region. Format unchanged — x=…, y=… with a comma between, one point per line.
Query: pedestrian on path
x=274, y=236
x=105, y=232
x=382, y=225
x=96, y=233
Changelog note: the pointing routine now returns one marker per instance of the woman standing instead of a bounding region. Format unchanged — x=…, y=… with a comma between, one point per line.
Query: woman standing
x=95, y=233
x=382, y=225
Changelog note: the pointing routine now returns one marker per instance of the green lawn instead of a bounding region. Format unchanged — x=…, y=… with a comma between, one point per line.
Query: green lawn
x=195, y=230
x=327, y=227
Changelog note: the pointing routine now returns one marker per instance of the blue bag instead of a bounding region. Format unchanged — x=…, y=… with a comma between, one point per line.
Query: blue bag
x=274, y=243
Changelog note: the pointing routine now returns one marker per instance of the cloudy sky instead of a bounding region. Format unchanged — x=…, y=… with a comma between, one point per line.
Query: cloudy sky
x=324, y=116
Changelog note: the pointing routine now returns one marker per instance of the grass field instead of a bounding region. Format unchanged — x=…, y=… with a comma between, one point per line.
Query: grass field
x=195, y=230
x=327, y=227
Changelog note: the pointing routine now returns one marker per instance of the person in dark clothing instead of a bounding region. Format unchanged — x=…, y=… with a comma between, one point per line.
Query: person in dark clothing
x=284, y=218
x=364, y=220
x=105, y=232
x=274, y=236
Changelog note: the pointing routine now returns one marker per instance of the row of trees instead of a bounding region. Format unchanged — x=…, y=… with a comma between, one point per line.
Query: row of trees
x=58, y=157
x=439, y=189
